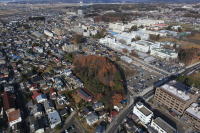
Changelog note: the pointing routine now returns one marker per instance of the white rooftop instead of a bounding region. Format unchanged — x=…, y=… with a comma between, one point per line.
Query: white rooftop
x=176, y=92
x=194, y=109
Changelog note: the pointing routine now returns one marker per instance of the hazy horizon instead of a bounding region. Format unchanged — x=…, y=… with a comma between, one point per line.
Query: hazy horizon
x=106, y=1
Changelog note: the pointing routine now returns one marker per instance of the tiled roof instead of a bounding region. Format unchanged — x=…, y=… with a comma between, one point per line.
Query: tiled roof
x=14, y=115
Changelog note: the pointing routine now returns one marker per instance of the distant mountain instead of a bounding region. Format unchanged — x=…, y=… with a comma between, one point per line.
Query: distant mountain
x=111, y=1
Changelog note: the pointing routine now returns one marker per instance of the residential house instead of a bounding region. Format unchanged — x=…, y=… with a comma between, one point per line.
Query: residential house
x=8, y=101
x=92, y=118
x=38, y=125
x=41, y=98
x=112, y=115
x=37, y=110
x=102, y=114
x=98, y=106
x=48, y=106
x=54, y=119
x=61, y=100
x=101, y=128
x=14, y=117
x=85, y=95
x=52, y=94
x=13, y=114
x=64, y=112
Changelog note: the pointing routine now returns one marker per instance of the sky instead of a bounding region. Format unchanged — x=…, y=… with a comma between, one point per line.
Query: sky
x=114, y=0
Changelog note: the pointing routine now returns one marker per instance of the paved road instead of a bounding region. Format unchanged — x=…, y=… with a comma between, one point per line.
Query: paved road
x=79, y=126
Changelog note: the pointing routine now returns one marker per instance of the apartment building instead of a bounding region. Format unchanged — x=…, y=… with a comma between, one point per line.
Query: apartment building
x=175, y=96
x=192, y=115
x=162, y=126
x=143, y=113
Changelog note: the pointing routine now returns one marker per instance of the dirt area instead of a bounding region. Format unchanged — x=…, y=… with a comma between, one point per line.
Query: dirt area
x=195, y=36
x=76, y=98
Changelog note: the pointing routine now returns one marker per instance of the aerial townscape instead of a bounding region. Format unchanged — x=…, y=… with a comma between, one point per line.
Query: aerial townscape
x=100, y=66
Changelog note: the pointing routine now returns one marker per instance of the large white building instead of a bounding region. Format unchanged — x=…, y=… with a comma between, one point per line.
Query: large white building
x=162, y=126
x=107, y=40
x=144, y=46
x=143, y=113
x=120, y=27
x=129, y=36
x=147, y=22
x=117, y=27
x=164, y=53
x=113, y=44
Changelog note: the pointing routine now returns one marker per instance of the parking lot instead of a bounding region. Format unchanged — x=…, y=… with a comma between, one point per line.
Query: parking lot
x=167, y=66
x=142, y=79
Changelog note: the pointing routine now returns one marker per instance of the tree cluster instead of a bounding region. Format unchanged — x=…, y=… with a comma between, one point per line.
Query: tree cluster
x=187, y=55
x=154, y=37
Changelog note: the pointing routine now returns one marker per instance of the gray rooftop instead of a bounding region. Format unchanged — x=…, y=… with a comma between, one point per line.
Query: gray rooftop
x=164, y=125
x=145, y=111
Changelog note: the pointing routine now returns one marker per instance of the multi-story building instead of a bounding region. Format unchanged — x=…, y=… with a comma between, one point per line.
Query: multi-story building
x=144, y=46
x=143, y=113
x=175, y=96
x=164, y=53
x=117, y=27
x=162, y=126
x=192, y=115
